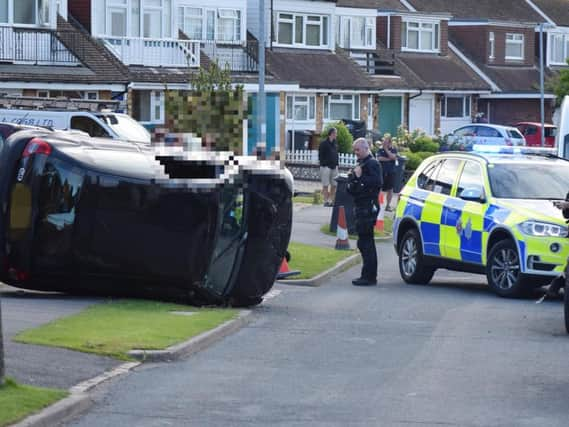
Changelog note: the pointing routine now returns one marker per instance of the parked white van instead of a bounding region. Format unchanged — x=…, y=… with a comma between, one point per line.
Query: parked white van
x=103, y=125
x=563, y=130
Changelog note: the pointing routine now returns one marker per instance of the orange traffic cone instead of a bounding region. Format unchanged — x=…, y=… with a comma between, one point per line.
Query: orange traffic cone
x=342, y=242
x=285, y=271
x=379, y=223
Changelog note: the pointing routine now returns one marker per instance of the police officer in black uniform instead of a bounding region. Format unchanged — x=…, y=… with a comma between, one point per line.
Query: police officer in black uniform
x=364, y=183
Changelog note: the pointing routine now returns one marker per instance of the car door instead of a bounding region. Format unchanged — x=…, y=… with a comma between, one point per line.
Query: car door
x=465, y=135
x=487, y=135
x=465, y=242
x=451, y=208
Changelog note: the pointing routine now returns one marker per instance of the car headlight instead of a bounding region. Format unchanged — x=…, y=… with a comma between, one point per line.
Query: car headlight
x=545, y=229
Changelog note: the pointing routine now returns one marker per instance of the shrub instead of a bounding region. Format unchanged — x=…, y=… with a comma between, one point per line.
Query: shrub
x=423, y=143
x=415, y=159
x=344, y=138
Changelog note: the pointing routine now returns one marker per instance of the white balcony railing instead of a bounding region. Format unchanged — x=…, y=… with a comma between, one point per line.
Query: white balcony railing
x=37, y=46
x=311, y=157
x=155, y=52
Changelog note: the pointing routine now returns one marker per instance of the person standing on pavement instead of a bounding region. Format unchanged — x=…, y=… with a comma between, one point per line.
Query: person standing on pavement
x=328, y=158
x=364, y=184
x=387, y=155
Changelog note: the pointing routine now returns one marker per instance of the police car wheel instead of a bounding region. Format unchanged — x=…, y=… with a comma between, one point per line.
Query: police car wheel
x=411, y=262
x=503, y=270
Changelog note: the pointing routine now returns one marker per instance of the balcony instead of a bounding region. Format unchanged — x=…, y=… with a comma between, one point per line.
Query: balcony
x=38, y=46
x=239, y=56
x=154, y=52
x=380, y=61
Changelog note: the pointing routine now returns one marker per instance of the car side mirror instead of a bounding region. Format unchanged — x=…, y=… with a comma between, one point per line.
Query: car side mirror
x=473, y=194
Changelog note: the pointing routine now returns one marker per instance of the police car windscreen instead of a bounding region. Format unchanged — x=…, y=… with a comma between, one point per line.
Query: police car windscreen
x=529, y=181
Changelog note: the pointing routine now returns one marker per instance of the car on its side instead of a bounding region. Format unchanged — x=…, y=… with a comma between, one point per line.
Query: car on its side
x=485, y=212
x=532, y=133
x=486, y=134
x=83, y=214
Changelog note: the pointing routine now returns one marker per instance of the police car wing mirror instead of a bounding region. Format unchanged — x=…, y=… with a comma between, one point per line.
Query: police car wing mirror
x=473, y=194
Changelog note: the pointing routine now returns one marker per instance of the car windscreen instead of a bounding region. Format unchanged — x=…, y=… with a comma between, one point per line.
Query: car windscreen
x=126, y=127
x=529, y=181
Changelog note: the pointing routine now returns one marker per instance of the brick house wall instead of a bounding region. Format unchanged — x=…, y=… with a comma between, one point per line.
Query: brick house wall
x=475, y=39
x=444, y=38
x=81, y=10
x=511, y=111
x=395, y=31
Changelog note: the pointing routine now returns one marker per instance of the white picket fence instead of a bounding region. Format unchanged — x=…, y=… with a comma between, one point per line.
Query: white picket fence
x=311, y=157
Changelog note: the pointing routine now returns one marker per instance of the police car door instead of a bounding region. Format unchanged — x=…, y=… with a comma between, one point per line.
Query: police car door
x=465, y=242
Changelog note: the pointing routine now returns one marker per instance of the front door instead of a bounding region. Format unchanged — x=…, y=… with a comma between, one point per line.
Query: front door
x=389, y=114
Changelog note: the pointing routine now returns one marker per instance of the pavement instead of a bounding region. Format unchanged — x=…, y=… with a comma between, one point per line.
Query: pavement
x=81, y=373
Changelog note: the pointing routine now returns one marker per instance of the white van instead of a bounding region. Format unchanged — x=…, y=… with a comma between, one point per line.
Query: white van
x=103, y=125
x=563, y=130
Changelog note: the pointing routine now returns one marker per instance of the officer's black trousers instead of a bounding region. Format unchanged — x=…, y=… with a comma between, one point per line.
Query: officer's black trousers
x=366, y=245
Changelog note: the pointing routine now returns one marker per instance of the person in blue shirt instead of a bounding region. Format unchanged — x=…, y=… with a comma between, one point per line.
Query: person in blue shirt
x=387, y=156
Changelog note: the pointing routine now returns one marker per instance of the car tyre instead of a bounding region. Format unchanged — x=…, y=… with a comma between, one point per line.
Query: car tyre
x=503, y=270
x=411, y=260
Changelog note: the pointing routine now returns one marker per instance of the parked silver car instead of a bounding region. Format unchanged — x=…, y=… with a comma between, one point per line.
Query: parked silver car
x=487, y=134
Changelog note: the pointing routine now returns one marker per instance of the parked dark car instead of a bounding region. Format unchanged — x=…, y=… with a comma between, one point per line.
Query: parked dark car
x=90, y=215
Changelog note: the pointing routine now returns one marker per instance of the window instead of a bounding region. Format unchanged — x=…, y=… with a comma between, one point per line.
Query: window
x=152, y=23
x=190, y=21
x=3, y=11
x=420, y=36
x=491, y=45
x=229, y=25
x=303, y=30
x=300, y=107
x=446, y=176
x=116, y=22
x=487, y=132
x=87, y=124
x=514, y=46
x=338, y=107
x=559, y=50
x=471, y=178
x=355, y=32
x=149, y=106
x=455, y=106
x=428, y=176
x=25, y=12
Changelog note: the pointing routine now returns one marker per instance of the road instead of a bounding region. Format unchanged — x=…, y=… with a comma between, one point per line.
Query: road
x=447, y=354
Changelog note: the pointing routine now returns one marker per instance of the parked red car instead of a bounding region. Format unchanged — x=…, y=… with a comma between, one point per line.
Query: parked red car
x=532, y=133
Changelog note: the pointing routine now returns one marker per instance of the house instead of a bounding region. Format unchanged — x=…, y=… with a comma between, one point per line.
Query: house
x=500, y=41
x=43, y=56
x=301, y=48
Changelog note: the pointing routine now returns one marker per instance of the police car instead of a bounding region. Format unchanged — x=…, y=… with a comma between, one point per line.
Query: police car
x=490, y=211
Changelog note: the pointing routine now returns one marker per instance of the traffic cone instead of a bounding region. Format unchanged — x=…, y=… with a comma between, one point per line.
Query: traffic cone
x=285, y=271
x=342, y=242
x=379, y=223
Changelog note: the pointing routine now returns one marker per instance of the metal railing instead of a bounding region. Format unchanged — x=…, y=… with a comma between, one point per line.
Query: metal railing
x=37, y=46
x=311, y=157
x=240, y=56
x=154, y=52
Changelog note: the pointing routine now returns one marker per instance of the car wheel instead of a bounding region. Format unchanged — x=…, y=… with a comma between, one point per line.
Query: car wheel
x=503, y=270
x=411, y=261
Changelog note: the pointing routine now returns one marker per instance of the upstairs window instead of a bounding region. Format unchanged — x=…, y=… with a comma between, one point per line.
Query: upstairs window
x=190, y=21
x=302, y=30
x=228, y=25
x=491, y=45
x=420, y=36
x=559, y=49
x=210, y=24
x=455, y=106
x=355, y=32
x=514, y=46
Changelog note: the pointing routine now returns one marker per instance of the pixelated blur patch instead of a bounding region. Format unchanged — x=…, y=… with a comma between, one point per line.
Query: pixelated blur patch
x=217, y=117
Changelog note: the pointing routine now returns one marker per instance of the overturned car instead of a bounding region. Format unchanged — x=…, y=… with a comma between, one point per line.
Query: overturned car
x=87, y=215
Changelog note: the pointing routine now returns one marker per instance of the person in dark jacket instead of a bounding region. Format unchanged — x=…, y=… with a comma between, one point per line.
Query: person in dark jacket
x=387, y=155
x=328, y=157
x=364, y=183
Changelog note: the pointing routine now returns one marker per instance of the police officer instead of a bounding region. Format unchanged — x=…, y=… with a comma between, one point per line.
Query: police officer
x=364, y=183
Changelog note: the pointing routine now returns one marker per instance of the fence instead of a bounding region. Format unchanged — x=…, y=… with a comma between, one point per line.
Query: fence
x=311, y=157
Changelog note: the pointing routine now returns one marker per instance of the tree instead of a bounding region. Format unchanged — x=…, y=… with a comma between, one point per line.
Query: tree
x=213, y=109
x=560, y=84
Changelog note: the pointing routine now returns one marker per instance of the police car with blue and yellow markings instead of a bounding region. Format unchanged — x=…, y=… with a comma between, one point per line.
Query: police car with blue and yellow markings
x=488, y=211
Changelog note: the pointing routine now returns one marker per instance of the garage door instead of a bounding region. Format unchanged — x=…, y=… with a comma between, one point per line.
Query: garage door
x=421, y=114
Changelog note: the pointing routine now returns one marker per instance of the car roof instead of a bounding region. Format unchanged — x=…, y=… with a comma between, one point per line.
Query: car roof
x=547, y=125
x=534, y=159
x=500, y=127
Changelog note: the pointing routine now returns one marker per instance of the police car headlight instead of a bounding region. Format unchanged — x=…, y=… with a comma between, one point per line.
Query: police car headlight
x=544, y=229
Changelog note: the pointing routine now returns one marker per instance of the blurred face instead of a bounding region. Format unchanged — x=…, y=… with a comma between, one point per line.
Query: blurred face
x=387, y=142
x=361, y=151
x=333, y=135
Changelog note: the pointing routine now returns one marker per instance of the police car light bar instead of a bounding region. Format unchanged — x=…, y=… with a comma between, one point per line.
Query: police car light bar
x=508, y=149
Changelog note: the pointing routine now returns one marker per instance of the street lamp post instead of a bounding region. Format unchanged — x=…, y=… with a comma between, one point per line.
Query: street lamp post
x=262, y=110
x=541, y=88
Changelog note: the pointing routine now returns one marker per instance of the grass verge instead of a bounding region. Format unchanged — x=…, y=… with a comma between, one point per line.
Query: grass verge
x=18, y=401
x=118, y=326
x=313, y=260
x=387, y=229
x=304, y=199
